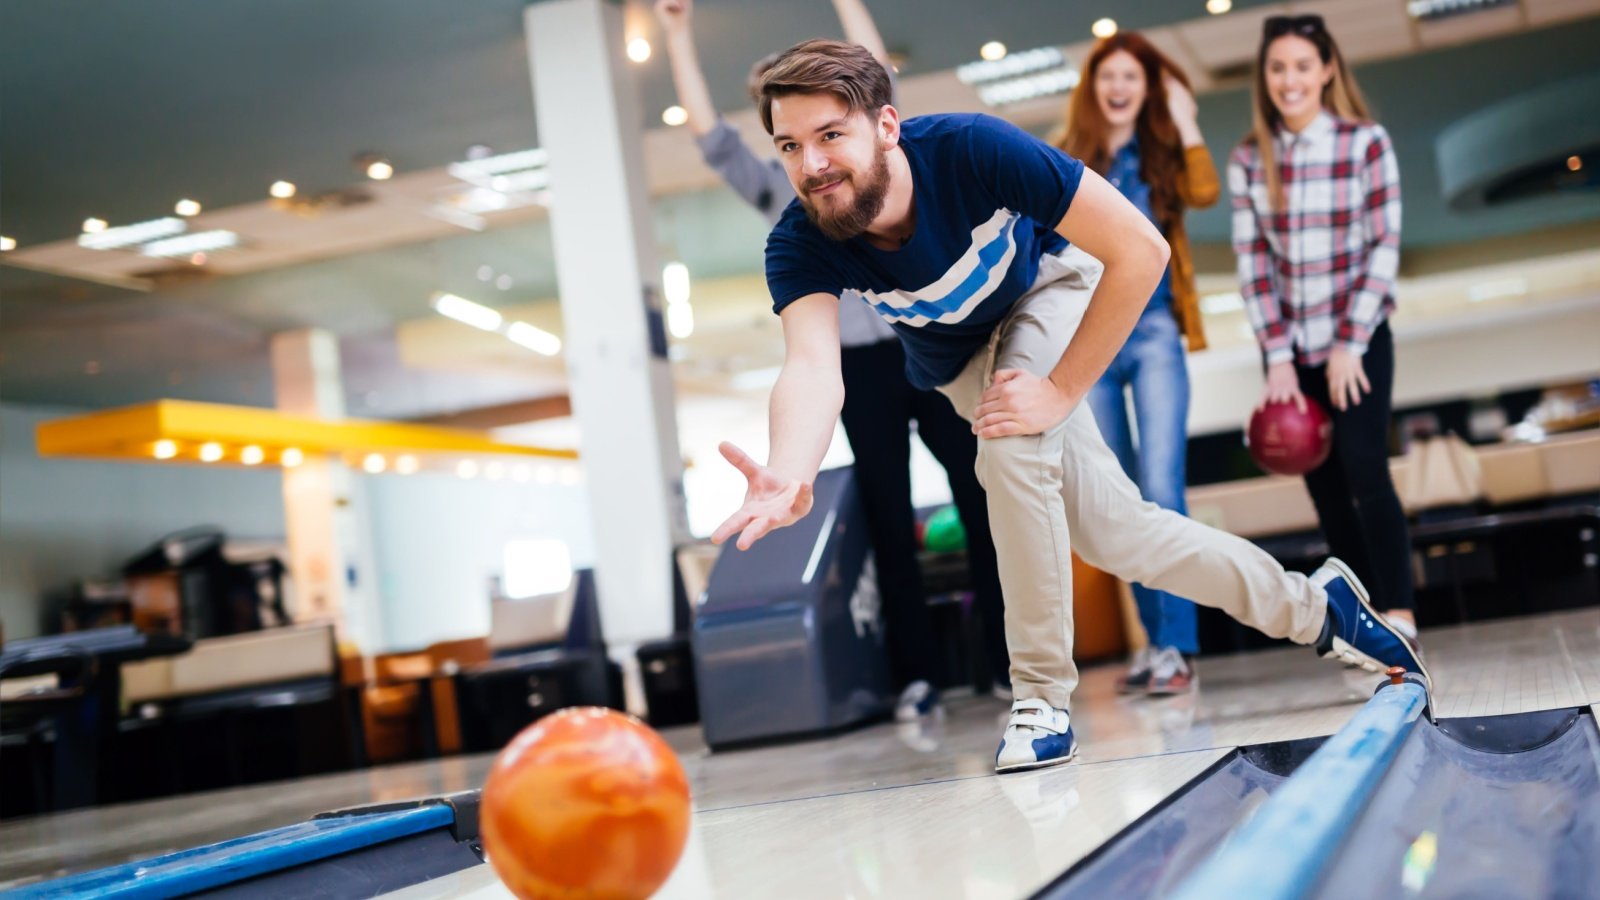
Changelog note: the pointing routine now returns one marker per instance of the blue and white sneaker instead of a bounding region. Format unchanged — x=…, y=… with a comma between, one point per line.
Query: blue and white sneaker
x=1037, y=735
x=1355, y=632
x=917, y=700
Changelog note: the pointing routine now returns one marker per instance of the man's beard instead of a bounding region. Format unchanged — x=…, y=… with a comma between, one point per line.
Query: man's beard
x=844, y=224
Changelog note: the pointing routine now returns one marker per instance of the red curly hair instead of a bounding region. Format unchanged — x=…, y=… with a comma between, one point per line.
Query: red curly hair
x=1084, y=129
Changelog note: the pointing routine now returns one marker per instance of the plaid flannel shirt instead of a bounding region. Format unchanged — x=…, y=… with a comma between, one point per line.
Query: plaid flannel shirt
x=1321, y=273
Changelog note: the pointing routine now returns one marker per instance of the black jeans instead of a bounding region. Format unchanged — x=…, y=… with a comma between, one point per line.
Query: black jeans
x=1356, y=502
x=879, y=407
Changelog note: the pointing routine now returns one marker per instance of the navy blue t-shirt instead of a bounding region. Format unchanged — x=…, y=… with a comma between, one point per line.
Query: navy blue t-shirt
x=988, y=198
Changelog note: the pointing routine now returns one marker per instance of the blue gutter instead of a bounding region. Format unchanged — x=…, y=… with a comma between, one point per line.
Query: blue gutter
x=1281, y=851
x=199, y=868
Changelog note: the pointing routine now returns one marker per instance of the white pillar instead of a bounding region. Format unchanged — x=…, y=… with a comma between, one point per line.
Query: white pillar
x=609, y=279
x=325, y=507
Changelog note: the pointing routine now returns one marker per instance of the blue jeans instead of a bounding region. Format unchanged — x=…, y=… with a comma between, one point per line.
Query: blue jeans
x=1152, y=363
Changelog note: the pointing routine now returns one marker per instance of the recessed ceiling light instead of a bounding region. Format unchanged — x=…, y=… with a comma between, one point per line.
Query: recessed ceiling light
x=380, y=170
x=1218, y=7
x=210, y=451
x=252, y=455
x=374, y=463
x=638, y=50
x=94, y=226
x=536, y=339
x=7, y=243
x=992, y=51
x=674, y=115
x=189, y=244
x=165, y=449
x=1104, y=28
x=292, y=457
x=283, y=190
x=187, y=207
x=103, y=238
x=465, y=311
x=675, y=282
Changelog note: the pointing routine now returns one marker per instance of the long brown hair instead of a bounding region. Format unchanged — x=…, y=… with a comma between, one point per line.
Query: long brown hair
x=1085, y=128
x=1341, y=94
x=847, y=71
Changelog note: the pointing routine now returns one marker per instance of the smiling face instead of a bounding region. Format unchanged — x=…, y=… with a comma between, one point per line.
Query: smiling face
x=1295, y=77
x=836, y=159
x=1120, y=89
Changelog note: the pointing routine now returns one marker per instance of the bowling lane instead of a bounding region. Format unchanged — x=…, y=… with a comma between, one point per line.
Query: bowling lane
x=1485, y=668
x=972, y=837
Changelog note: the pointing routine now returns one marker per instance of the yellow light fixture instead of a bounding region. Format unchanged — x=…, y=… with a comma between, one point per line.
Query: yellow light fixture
x=94, y=226
x=283, y=190
x=210, y=451
x=7, y=243
x=380, y=170
x=187, y=207
x=252, y=455
x=128, y=432
x=1104, y=28
x=1218, y=7
x=993, y=51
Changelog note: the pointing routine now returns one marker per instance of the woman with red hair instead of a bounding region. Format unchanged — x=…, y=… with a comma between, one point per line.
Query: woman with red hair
x=1132, y=120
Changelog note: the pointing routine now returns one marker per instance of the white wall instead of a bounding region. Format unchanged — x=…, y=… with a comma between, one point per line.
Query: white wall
x=63, y=520
x=1468, y=357
x=439, y=539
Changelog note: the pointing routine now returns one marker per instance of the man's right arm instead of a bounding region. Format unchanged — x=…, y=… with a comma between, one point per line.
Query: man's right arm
x=810, y=390
x=687, y=77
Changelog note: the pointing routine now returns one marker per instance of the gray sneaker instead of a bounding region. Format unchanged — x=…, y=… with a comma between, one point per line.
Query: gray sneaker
x=1170, y=674
x=1137, y=678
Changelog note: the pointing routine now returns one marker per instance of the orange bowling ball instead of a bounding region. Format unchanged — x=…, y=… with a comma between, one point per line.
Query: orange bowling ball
x=585, y=802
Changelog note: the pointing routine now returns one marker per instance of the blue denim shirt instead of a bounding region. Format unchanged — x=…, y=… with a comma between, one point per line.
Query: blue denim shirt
x=1123, y=174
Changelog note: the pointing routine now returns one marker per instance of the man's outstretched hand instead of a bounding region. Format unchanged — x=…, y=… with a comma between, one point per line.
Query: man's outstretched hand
x=770, y=501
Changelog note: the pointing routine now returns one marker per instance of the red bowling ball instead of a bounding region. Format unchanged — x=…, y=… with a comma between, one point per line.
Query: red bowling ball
x=1286, y=441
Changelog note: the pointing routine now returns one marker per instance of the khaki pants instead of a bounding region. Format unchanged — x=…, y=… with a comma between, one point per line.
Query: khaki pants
x=1063, y=490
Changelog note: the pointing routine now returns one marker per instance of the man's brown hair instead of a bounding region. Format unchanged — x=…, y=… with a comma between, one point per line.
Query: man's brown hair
x=847, y=71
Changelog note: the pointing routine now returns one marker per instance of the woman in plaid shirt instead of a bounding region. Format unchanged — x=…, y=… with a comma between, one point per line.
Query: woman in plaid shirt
x=1316, y=225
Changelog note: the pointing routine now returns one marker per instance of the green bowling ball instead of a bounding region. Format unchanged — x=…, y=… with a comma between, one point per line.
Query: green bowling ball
x=945, y=533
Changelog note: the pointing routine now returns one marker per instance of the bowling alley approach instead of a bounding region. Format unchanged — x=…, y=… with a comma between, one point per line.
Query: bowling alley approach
x=800, y=449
